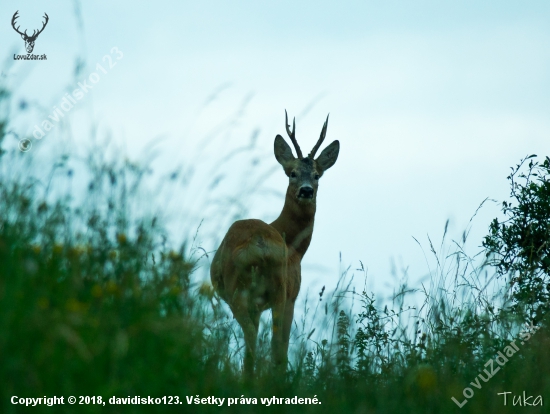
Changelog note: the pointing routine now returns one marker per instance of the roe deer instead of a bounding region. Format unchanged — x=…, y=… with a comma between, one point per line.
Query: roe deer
x=257, y=266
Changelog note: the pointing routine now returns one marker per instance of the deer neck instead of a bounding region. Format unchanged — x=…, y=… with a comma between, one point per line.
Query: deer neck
x=295, y=224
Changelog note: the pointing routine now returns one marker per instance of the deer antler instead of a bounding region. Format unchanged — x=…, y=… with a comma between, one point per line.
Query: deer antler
x=292, y=135
x=14, y=18
x=34, y=35
x=321, y=139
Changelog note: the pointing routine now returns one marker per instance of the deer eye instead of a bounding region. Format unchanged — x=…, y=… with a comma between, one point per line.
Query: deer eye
x=317, y=176
x=292, y=174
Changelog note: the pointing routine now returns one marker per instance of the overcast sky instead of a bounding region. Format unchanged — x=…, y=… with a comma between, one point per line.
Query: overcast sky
x=432, y=102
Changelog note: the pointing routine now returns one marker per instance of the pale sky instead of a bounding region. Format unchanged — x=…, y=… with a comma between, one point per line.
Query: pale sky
x=432, y=102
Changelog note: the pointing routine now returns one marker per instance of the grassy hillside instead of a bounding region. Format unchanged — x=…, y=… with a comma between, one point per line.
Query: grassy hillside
x=94, y=302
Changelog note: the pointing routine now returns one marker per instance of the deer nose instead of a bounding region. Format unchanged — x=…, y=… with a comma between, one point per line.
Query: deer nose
x=306, y=192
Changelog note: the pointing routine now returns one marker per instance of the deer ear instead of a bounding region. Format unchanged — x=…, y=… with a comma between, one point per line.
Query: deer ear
x=283, y=153
x=329, y=156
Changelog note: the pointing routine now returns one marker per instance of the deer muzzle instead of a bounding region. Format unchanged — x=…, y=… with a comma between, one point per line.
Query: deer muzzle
x=306, y=191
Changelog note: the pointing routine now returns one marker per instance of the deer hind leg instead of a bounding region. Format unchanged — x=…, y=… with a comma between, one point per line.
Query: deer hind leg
x=247, y=314
x=249, y=324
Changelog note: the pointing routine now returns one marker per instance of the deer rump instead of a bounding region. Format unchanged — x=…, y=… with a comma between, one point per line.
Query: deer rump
x=249, y=270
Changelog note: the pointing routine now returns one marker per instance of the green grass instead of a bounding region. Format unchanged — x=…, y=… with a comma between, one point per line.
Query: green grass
x=95, y=302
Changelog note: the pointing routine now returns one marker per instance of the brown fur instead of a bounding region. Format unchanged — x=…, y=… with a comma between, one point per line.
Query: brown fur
x=258, y=265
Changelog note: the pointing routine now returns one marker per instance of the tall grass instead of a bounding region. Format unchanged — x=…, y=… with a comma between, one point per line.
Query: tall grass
x=95, y=300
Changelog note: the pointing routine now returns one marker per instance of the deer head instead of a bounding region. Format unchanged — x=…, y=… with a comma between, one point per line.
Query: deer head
x=29, y=40
x=304, y=172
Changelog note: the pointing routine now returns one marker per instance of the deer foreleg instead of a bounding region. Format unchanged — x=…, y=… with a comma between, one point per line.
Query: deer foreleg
x=277, y=344
x=287, y=325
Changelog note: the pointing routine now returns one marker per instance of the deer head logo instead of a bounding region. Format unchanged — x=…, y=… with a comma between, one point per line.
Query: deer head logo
x=29, y=40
